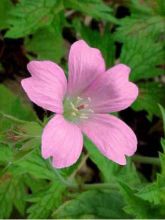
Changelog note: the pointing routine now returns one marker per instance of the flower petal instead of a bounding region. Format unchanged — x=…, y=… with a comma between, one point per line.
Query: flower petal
x=85, y=64
x=47, y=86
x=112, y=90
x=111, y=135
x=63, y=141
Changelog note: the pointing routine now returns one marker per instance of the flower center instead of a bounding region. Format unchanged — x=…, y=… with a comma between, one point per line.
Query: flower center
x=77, y=108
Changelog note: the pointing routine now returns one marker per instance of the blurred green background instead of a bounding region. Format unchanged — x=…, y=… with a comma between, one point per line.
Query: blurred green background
x=126, y=31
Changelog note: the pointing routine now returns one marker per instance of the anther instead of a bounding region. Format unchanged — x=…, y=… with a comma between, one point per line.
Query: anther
x=83, y=106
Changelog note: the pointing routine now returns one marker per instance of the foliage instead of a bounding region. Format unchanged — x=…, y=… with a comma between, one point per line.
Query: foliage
x=150, y=95
x=28, y=16
x=5, y=7
x=140, y=57
x=45, y=201
x=29, y=186
x=93, y=204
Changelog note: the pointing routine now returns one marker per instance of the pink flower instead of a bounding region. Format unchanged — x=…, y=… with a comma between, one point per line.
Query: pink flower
x=82, y=105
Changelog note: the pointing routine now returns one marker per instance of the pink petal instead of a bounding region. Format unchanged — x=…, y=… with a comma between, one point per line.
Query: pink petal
x=47, y=85
x=63, y=141
x=85, y=64
x=112, y=136
x=112, y=90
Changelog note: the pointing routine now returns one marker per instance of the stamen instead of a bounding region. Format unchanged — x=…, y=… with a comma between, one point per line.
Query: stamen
x=89, y=99
x=79, y=98
x=83, y=117
x=79, y=101
x=74, y=114
x=74, y=108
x=90, y=110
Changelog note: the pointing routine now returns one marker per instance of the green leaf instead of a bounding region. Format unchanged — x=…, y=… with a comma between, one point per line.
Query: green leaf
x=47, y=42
x=13, y=106
x=29, y=135
x=163, y=116
x=111, y=171
x=150, y=95
x=13, y=114
x=146, y=20
x=31, y=129
x=28, y=16
x=161, y=188
x=163, y=144
x=136, y=206
x=147, y=7
x=93, y=204
x=154, y=192
x=45, y=201
x=150, y=193
x=95, y=8
x=35, y=185
x=143, y=9
x=138, y=54
x=162, y=139
x=5, y=7
x=162, y=161
x=33, y=164
x=12, y=193
x=139, y=26
x=6, y=153
x=161, y=7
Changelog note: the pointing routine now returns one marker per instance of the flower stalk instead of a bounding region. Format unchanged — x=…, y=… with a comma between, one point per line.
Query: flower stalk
x=146, y=160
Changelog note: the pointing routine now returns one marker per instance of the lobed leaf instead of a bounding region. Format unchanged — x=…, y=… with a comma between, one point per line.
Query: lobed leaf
x=45, y=201
x=47, y=42
x=138, y=54
x=95, y=8
x=13, y=106
x=150, y=95
x=12, y=194
x=28, y=16
x=93, y=204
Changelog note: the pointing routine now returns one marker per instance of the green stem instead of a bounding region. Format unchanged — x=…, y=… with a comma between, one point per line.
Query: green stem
x=146, y=160
x=83, y=161
x=17, y=120
x=12, y=118
x=93, y=186
x=99, y=186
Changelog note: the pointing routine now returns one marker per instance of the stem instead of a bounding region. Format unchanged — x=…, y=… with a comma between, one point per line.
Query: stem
x=79, y=166
x=146, y=160
x=93, y=186
x=12, y=118
x=99, y=186
x=62, y=179
x=17, y=120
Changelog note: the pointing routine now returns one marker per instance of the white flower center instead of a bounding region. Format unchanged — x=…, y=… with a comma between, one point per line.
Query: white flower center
x=77, y=108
